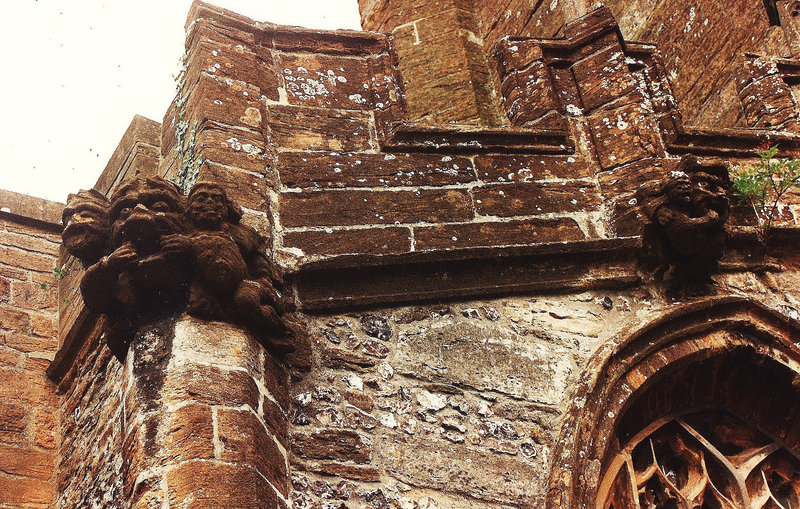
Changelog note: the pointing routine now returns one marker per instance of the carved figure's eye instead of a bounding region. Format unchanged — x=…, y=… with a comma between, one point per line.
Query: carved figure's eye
x=125, y=212
x=160, y=206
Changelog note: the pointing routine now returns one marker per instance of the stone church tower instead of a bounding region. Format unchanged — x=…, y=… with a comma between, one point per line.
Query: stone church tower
x=484, y=254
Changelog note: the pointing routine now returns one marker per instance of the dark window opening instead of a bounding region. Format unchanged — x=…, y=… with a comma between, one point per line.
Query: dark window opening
x=772, y=13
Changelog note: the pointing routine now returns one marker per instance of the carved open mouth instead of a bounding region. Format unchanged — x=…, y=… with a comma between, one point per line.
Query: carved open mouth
x=140, y=227
x=79, y=228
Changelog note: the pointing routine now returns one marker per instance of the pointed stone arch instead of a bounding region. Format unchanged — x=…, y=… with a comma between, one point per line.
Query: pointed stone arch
x=623, y=370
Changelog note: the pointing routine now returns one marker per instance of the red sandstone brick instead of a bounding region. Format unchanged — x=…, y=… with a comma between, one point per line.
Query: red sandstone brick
x=27, y=343
x=26, y=462
x=268, y=73
x=24, y=239
x=33, y=296
x=13, y=272
x=223, y=61
x=233, y=103
x=276, y=381
x=333, y=208
x=336, y=469
x=245, y=441
x=203, y=484
x=331, y=444
x=190, y=434
x=276, y=421
x=532, y=231
x=45, y=428
x=528, y=95
x=8, y=356
x=12, y=422
x=212, y=386
x=385, y=240
x=23, y=491
x=32, y=363
x=246, y=189
x=306, y=128
x=629, y=178
x=531, y=198
x=327, y=81
x=623, y=135
x=14, y=320
x=43, y=325
x=27, y=260
x=231, y=147
x=209, y=30
x=603, y=77
x=354, y=169
x=502, y=168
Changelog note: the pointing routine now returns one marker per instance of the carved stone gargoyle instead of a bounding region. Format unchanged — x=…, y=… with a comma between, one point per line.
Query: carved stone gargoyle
x=150, y=254
x=686, y=211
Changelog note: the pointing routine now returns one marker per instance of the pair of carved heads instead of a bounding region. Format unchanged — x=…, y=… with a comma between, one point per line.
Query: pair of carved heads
x=686, y=213
x=150, y=252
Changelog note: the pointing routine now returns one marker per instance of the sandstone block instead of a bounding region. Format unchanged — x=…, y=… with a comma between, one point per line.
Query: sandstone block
x=485, y=234
x=603, y=77
x=202, y=484
x=22, y=491
x=386, y=240
x=327, y=81
x=354, y=169
x=231, y=103
x=232, y=147
x=623, y=135
x=332, y=444
x=345, y=207
x=26, y=462
x=301, y=128
x=247, y=189
x=530, y=198
x=190, y=433
x=211, y=385
x=502, y=168
x=245, y=441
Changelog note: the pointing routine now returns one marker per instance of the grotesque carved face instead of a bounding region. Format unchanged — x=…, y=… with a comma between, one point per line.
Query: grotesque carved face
x=144, y=210
x=86, y=225
x=679, y=189
x=710, y=192
x=208, y=206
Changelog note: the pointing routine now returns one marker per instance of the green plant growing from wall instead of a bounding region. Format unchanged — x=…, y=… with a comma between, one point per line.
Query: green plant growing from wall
x=763, y=184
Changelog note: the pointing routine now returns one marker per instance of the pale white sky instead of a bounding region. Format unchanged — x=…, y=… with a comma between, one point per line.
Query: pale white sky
x=75, y=72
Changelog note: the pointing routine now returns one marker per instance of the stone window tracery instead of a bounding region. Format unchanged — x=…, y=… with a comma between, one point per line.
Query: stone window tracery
x=707, y=459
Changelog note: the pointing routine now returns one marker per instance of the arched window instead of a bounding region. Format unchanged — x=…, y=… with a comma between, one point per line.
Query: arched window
x=699, y=408
x=675, y=447
x=707, y=459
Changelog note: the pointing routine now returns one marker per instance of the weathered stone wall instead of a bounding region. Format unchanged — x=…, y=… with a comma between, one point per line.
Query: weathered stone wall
x=29, y=434
x=463, y=404
x=702, y=42
x=90, y=466
x=461, y=283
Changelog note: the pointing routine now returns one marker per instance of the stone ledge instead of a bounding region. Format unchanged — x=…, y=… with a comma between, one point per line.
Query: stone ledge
x=362, y=280
x=28, y=208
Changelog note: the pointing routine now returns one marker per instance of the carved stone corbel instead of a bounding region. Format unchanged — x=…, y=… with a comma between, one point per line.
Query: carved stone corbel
x=151, y=253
